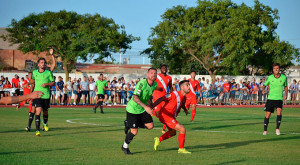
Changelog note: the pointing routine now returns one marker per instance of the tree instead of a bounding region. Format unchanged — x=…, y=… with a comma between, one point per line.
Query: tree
x=71, y=35
x=221, y=36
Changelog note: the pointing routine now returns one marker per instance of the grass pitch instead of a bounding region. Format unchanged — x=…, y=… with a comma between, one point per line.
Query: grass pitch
x=217, y=136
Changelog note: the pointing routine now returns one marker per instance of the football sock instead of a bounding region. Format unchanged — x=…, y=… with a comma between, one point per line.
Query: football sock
x=164, y=126
x=128, y=139
x=193, y=114
x=30, y=107
x=164, y=136
x=278, y=121
x=45, y=119
x=266, y=122
x=101, y=105
x=37, y=122
x=97, y=105
x=181, y=140
x=31, y=115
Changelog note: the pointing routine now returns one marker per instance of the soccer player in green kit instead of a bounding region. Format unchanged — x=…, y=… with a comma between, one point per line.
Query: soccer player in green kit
x=42, y=80
x=277, y=83
x=138, y=113
x=101, y=85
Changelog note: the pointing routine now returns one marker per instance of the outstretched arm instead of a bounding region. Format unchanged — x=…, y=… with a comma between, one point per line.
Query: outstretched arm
x=53, y=60
x=17, y=99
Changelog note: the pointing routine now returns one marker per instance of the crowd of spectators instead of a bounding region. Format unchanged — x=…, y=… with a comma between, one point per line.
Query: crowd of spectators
x=82, y=91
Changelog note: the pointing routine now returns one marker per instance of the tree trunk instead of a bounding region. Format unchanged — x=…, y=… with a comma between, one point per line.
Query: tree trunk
x=66, y=68
x=212, y=75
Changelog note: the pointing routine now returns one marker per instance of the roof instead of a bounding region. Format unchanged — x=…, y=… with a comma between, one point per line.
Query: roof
x=6, y=44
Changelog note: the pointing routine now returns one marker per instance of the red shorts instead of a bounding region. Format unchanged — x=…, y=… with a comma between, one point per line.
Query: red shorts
x=159, y=106
x=191, y=99
x=170, y=121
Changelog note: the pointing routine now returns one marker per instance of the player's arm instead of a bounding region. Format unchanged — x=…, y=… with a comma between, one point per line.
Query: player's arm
x=139, y=102
x=170, y=86
x=17, y=99
x=159, y=88
x=48, y=84
x=184, y=109
x=53, y=60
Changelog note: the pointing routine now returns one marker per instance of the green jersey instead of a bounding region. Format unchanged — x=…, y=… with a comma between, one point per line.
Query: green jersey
x=100, y=86
x=276, y=86
x=144, y=91
x=41, y=78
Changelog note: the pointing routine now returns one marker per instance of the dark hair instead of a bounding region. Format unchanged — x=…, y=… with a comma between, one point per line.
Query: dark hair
x=276, y=64
x=183, y=81
x=29, y=72
x=101, y=74
x=193, y=71
x=42, y=58
x=163, y=65
x=152, y=69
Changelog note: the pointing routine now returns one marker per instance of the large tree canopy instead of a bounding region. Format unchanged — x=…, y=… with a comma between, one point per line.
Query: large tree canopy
x=221, y=36
x=71, y=35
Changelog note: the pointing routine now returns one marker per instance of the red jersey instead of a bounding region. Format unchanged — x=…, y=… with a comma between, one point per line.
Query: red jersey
x=163, y=82
x=194, y=85
x=7, y=86
x=226, y=87
x=173, y=103
x=26, y=89
x=15, y=82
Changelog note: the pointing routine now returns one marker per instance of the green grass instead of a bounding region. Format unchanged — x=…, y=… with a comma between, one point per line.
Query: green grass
x=218, y=136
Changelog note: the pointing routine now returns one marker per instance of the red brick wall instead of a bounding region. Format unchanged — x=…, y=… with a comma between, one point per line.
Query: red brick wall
x=16, y=59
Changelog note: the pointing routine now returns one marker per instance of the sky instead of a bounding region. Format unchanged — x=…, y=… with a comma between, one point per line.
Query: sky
x=139, y=16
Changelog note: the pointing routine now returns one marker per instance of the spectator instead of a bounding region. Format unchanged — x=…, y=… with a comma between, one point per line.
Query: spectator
x=84, y=87
x=131, y=90
x=79, y=91
x=125, y=92
x=7, y=88
x=207, y=88
x=53, y=91
x=113, y=92
x=75, y=90
x=254, y=90
x=226, y=90
x=1, y=88
x=3, y=80
x=107, y=92
x=118, y=91
x=249, y=96
x=59, y=90
x=265, y=94
x=92, y=91
x=233, y=90
x=260, y=95
x=241, y=92
x=16, y=84
x=21, y=85
x=294, y=91
x=245, y=93
x=68, y=88
x=219, y=86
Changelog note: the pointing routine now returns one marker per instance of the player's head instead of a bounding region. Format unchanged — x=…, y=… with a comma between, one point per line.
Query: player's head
x=30, y=75
x=193, y=74
x=276, y=68
x=101, y=76
x=42, y=63
x=59, y=78
x=70, y=79
x=164, y=69
x=185, y=86
x=152, y=74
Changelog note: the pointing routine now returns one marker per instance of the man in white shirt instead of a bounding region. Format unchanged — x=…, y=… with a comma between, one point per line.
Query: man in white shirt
x=92, y=91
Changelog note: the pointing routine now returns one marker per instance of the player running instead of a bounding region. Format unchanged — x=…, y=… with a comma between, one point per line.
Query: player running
x=138, y=113
x=168, y=113
x=101, y=85
x=277, y=83
x=163, y=81
x=191, y=99
x=42, y=80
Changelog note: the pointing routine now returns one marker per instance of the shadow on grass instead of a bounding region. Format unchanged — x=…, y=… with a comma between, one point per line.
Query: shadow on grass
x=23, y=152
x=231, y=162
x=83, y=132
x=224, y=126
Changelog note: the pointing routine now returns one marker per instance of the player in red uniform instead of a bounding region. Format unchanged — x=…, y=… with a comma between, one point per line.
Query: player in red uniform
x=163, y=81
x=167, y=115
x=191, y=99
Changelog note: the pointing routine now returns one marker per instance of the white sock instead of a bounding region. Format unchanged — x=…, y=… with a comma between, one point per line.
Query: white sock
x=125, y=145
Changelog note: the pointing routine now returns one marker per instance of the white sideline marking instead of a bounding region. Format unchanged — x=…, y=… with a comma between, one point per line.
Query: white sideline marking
x=230, y=132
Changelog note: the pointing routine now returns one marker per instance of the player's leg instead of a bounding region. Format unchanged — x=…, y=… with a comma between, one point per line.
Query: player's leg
x=132, y=121
x=170, y=133
x=38, y=120
x=181, y=138
x=97, y=104
x=31, y=117
x=45, y=107
x=278, y=120
x=193, y=106
x=269, y=108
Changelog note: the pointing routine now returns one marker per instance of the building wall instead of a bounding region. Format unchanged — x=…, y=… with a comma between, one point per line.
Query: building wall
x=16, y=59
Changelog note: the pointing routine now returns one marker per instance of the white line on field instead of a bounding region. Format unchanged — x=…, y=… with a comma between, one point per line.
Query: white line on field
x=231, y=132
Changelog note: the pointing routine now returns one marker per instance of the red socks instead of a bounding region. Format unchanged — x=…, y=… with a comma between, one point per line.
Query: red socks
x=30, y=107
x=165, y=136
x=164, y=126
x=193, y=114
x=181, y=140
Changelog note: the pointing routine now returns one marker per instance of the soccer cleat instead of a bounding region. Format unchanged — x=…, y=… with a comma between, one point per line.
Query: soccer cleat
x=102, y=112
x=156, y=143
x=37, y=133
x=126, y=129
x=183, y=151
x=277, y=132
x=46, y=128
x=27, y=129
x=163, y=131
x=265, y=133
x=126, y=150
x=94, y=110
